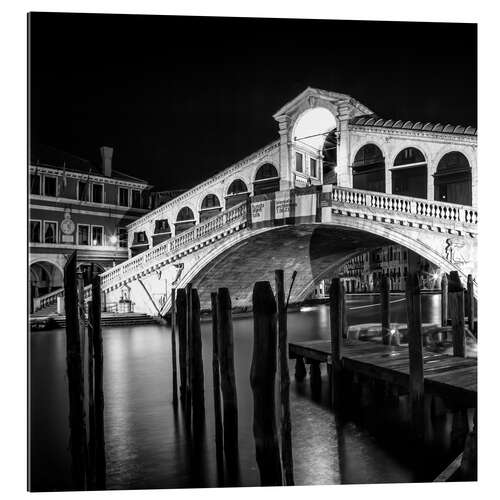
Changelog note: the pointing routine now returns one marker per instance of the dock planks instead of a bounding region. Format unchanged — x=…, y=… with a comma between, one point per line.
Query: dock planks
x=449, y=376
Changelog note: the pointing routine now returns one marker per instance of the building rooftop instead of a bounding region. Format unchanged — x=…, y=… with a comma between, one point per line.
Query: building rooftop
x=376, y=121
x=47, y=156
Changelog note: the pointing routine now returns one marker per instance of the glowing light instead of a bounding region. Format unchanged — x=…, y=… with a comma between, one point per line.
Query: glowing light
x=435, y=276
x=113, y=239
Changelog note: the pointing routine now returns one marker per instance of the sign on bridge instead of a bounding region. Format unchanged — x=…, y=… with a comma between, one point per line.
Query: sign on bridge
x=284, y=207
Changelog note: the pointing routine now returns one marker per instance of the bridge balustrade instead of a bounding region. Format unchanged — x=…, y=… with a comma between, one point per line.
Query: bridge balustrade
x=137, y=264
x=416, y=207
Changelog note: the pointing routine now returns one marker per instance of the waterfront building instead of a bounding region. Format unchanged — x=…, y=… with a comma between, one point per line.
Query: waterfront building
x=364, y=272
x=74, y=205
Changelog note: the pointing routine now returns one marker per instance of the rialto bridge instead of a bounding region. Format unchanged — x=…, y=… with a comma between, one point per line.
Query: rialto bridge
x=337, y=181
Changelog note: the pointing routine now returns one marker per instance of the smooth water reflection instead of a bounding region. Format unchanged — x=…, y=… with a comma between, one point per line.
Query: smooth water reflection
x=146, y=442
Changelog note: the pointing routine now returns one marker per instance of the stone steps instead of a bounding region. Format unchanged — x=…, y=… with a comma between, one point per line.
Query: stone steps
x=54, y=321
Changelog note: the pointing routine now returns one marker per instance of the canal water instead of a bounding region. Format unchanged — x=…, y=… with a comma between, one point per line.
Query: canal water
x=146, y=443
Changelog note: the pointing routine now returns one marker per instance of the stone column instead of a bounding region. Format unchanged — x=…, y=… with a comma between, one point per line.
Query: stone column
x=286, y=178
x=473, y=167
x=431, y=170
x=344, y=173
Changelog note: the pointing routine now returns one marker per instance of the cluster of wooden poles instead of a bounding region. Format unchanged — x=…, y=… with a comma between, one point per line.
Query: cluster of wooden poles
x=270, y=350
x=84, y=362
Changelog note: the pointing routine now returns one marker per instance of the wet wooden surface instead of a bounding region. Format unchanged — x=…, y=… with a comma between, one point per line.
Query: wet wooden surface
x=449, y=376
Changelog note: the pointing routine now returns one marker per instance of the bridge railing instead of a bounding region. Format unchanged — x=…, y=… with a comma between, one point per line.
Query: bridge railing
x=446, y=212
x=224, y=220
x=47, y=299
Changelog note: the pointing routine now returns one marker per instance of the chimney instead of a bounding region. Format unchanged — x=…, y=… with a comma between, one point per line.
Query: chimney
x=106, y=157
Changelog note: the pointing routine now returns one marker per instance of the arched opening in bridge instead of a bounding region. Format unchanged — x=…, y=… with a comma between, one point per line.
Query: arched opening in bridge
x=185, y=220
x=330, y=158
x=315, y=147
x=162, y=231
x=266, y=180
x=86, y=269
x=45, y=277
x=409, y=174
x=368, y=169
x=453, y=179
x=236, y=193
x=210, y=206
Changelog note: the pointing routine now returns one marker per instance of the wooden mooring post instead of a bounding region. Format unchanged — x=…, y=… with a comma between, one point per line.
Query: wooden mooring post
x=219, y=439
x=175, y=398
x=97, y=343
x=262, y=380
x=228, y=383
x=385, y=309
x=456, y=298
x=197, y=375
x=91, y=398
x=470, y=303
x=415, y=349
x=78, y=432
x=189, y=352
x=444, y=300
x=284, y=377
x=337, y=310
x=180, y=309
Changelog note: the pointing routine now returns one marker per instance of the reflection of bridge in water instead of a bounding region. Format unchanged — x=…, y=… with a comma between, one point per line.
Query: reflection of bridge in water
x=339, y=180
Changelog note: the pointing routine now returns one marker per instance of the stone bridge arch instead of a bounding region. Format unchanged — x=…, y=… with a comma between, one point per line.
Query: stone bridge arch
x=316, y=251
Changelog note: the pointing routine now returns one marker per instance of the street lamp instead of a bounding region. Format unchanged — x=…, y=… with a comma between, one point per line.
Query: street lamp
x=113, y=239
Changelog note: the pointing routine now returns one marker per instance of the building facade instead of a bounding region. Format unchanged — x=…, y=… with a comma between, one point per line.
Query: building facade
x=364, y=272
x=75, y=206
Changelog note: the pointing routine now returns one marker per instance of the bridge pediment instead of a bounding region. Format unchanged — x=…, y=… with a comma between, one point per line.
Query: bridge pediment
x=313, y=97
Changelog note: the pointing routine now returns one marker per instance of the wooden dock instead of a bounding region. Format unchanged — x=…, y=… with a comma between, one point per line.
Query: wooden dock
x=448, y=376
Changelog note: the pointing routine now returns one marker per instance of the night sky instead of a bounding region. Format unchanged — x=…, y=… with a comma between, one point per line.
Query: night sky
x=180, y=98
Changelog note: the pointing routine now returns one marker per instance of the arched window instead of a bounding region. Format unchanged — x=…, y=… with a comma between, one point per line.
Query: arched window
x=210, y=206
x=368, y=169
x=237, y=187
x=266, y=180
x=185, y=220
x=453, y=179
x=236, y=193
x=185, y=214
x=210, y=201
x=409, y=174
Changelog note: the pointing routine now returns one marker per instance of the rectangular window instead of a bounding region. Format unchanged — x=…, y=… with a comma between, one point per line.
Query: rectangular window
x=299, y=162
x=50, y=186
x=123, y=197
x=122, y=237
x=136, y=198
x=35, y=231
x=97, y=232
x=313, y=167
x=97, y=193
x=141, y=237
x=83, y=235
x=162, y=226
x=35, y=184
x=83, y=191
x=50, y=232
